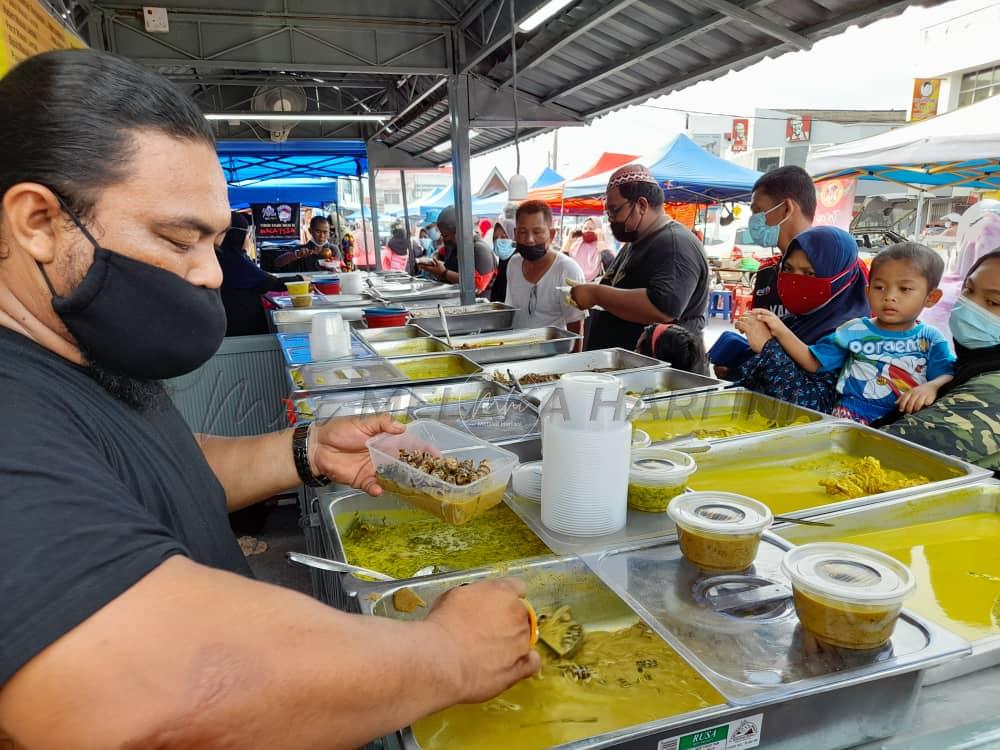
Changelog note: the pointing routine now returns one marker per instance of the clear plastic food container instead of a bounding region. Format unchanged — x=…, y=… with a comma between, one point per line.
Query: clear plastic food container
x=455, y=504
x=656, y=476
x=719, y=531
x=847, y=595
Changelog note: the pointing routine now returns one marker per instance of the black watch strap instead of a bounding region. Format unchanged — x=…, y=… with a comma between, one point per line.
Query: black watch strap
x=300, y=453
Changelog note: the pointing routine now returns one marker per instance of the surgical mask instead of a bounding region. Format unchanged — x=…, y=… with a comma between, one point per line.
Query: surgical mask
x=532, y=252
x=504, y=247
x=434, y=233
x=427, y=244
x=139, y=320
x=620, y=230
x=801, y=294
x=973, y=326
x=764, y=234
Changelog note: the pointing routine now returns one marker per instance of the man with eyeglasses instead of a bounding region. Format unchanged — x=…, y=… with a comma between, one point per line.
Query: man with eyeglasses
x=536, y=272
x=659, y=276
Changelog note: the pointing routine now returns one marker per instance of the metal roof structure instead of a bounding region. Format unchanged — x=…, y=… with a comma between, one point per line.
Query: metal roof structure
x=392, y=57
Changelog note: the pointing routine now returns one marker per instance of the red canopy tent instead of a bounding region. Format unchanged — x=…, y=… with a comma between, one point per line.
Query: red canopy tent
x=553, y=194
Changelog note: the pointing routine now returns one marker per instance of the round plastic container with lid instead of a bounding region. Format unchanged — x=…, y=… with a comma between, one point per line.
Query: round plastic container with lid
x=656, y=476
x=640, y=440
x=719, y=531
x=847, y=595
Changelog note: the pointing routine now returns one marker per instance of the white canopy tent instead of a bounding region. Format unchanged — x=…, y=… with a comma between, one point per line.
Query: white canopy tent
x=957, y=149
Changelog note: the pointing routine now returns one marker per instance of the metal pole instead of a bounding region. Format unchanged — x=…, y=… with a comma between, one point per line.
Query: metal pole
x=376, y=240
x=919, y=220
x=406, y=207
x=461, y=157
x=364, y=227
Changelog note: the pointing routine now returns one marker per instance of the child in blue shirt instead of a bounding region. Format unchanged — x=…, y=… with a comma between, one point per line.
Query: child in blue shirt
x=890, y=361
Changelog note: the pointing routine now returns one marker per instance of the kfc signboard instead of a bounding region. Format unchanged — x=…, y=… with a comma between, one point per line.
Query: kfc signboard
x=740, y=135
x=798, y=129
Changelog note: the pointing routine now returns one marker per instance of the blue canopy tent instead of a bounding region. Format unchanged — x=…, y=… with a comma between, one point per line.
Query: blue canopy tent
x=313, y=192
x=248, y=163
x=687, y=173
x=436, y=203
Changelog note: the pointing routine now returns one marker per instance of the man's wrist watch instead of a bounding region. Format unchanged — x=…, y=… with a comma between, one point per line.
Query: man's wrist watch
x=300, y=454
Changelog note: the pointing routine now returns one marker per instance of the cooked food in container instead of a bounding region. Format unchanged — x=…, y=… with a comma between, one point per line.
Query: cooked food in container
x=719, y=531
x=656, y=477
x=846, y=595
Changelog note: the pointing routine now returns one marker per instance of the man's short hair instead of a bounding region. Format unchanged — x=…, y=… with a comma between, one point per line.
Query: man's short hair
x=448, y=219
x=928, y=263
x=633, y=191
x=315, y=221
x=790, y=183
x=535, y=207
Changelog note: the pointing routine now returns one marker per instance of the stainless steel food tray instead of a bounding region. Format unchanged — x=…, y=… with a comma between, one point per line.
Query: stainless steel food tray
x=667, y=382
x=409, y=347
x=328, y=302
x=419, y=291
x=391, y=333
x=329, y=506
x=858, y=707
x=506, y=420
x=469, y=369
x=529, y=343
x=920, y=507
x=300, y=320
x=797, y=445
x=355, y=403
x=484, y=316
x=765, y=653
x=734, y=404
x=614, y=361
x=342, y=376
x=296, y=349
x=468, y=390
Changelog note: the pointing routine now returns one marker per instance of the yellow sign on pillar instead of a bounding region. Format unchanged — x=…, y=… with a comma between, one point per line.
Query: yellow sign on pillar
x=26, y=29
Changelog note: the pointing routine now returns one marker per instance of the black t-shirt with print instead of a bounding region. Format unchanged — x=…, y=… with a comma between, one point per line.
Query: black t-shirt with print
x=671, y=266
x=95, y=495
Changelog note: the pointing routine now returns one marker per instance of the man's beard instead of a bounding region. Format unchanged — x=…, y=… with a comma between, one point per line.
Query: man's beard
x=141, y=395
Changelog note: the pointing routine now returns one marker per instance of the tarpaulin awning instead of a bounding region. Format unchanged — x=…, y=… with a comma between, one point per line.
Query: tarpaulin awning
x=957, y=149
x=316, y=192
x=687, y=173
x=247, y=163
x=553, y=193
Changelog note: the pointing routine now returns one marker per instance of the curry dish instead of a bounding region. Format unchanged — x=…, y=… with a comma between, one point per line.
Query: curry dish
x=853, y=626
x=709, y=427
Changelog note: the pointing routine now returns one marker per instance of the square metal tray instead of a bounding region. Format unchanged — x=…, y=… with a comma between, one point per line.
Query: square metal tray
x=467, y=390
x=342, y=376
x=824, y=715
x=614, y=361
x=296, y=350
x=484, y=316
x=469, y=369
x=921, y=507
x=509, y=346
x=667, y=382
x=391, y=333
x=300, y=320
x=410, y=347
x=355, y=403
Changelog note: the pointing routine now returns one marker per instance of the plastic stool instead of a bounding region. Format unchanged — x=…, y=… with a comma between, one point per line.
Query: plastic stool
x=720, y=304
x=742, y=303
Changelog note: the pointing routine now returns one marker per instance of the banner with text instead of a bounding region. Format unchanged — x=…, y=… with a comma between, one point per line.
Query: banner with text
x=926, y=92
x=26, y=29
x=276, y=221
x=835, y=202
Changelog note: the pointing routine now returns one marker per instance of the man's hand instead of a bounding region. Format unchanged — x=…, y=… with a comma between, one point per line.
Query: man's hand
x=436, y=268
x=917, y=398
x=584, y=296
x=337, y=449
x=489, y=633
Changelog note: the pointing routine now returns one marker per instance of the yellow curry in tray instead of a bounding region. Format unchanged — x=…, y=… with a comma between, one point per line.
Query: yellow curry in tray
x=956, y=562
x=433, y=368
x=615, y=679
x=789, y=487
x=711, y=426
x=400, y=542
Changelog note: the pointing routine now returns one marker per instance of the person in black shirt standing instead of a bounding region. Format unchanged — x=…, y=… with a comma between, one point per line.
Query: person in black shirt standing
x=127, y=609
x=306, y=258
x=783, y=206
x=660, y=276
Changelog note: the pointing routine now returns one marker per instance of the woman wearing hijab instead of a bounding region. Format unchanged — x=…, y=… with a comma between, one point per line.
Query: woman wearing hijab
x=586, y=251
x=503, y=246
x=243, y=283
x=964, y=420
x=822, y=284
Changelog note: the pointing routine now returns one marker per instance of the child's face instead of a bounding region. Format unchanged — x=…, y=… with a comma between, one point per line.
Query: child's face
x=898, y=292
x=797, y=262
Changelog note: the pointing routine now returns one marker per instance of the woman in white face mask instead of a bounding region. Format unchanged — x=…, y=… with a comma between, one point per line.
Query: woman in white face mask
x=965, y=420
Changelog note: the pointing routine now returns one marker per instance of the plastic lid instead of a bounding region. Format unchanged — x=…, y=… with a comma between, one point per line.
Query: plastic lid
x=640, y=439
x=384, y=310
x=660, y=466
x=848, y=573
x=527, y=481
x=720, y=513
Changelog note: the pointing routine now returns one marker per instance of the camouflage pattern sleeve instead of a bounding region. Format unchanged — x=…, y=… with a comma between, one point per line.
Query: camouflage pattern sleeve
x=964, y=424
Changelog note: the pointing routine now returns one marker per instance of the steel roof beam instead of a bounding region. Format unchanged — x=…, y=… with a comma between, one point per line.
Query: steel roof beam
x=776, y=30
x=161, y=62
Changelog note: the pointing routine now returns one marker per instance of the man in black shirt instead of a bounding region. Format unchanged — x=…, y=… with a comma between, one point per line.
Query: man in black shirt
x=306, y=258
x=783, y=206
x=660, y=276
x=446, y=268
x=128, y=613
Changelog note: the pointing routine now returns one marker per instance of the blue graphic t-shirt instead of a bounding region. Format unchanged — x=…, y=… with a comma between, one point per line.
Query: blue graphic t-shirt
x=878, y=366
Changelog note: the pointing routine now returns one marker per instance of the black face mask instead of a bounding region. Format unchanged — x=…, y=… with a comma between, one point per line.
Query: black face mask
x=532, y=252
x=139, y=320
x=621, y=233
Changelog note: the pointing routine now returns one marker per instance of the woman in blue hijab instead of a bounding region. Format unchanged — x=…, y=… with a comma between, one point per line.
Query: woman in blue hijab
x=243, y=283
x=822, y=285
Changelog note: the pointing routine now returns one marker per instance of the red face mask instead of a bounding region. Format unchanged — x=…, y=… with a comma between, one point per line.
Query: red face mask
x=802, y=295
x=590, y=236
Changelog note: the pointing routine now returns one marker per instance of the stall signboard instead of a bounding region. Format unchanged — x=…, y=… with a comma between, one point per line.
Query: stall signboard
x=27, y=29
x=926, y=92
x=740, y=135
x=276, y=221
x=798, y=129
x=835, y=202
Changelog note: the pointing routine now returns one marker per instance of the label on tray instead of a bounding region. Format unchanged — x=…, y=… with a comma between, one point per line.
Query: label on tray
x=740, y=734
